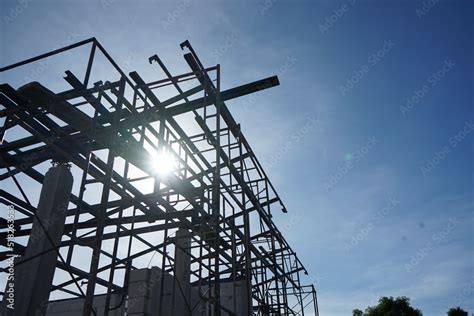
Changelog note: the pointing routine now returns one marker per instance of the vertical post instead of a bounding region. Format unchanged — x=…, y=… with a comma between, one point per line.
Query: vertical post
x=216, y=193
x=157, y=184
x=163, y=269
x=315, y=301
x=182, y=261
x=274, y=255
x=299, y=287
x=248, y=254
x=101, y=217
x=116, y=239
x=34, y=278
x=284, y=284
x=234, y=263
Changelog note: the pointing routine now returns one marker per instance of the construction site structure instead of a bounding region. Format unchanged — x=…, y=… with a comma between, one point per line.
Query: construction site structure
x=151, y=200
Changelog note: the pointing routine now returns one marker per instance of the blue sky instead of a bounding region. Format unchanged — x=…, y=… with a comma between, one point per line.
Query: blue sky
x=368, y=139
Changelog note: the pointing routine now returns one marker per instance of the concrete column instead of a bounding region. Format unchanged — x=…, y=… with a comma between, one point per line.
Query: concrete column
x=33, y=279
x=182, y=272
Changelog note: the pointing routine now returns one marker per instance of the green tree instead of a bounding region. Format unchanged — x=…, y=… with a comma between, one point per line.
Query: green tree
x=357, y=312
x=389, y=306
x=457, y=312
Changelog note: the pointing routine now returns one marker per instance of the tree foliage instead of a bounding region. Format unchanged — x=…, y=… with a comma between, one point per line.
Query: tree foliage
x=389, y=306
x=457, y=312
x=357, y=312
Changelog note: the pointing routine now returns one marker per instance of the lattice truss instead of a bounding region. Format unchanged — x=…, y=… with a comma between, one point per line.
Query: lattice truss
x=123, y=213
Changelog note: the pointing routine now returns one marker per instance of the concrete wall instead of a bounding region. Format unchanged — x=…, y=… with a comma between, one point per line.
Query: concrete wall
x=145, y=290
x=144, y=298
x=145, y=295
x=73, y=307
x=239, y=307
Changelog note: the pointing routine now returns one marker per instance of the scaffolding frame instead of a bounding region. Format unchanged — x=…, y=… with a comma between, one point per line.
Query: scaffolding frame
x=218, y=190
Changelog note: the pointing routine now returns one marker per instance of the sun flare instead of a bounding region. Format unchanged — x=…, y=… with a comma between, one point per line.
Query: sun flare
x=164, y=163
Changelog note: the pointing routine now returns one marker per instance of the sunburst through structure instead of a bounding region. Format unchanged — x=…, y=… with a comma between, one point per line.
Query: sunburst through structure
x=155, y=203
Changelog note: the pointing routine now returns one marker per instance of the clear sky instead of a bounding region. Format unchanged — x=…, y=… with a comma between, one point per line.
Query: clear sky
x=368, y=139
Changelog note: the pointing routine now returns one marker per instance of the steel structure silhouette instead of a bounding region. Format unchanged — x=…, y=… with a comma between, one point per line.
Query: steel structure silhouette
x=109, y=133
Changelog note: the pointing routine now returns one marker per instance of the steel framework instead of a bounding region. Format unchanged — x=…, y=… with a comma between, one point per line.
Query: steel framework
x=124, y=213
